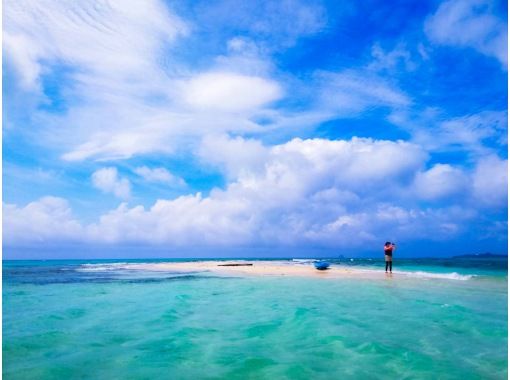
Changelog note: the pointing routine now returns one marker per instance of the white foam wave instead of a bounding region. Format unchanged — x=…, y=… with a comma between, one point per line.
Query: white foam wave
x=303, y=261
x=416, y=274
x=448, y=276
x=103, y=267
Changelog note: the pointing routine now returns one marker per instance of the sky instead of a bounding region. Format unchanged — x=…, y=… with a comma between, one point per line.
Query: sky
x=258, y=129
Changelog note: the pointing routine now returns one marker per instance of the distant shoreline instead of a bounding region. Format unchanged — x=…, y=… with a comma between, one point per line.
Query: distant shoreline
x=467, y=256
x=479, y=255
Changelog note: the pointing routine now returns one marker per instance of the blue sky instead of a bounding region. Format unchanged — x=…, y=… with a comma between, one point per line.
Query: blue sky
x=267, y=128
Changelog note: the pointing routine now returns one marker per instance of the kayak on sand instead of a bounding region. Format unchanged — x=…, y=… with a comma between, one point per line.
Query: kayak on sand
x=321, y=265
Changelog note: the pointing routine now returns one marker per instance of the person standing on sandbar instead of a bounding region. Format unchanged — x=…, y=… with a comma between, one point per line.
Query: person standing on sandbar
x=388, y=255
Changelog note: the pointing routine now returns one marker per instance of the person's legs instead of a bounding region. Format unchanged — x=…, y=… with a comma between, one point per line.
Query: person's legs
x=391, y=266
x=387, y=262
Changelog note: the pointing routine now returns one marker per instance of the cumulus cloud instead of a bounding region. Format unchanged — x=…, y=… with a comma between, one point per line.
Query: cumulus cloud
x=441, y=181
x=159, y=175
x=491, y=181
x=234, y=156
x=108, y=181
x=127, y=92
x=469, y=23
x=48, y=220
x=316, y=191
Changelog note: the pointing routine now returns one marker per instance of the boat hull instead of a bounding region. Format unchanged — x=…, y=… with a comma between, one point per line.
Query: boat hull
x=321, y=265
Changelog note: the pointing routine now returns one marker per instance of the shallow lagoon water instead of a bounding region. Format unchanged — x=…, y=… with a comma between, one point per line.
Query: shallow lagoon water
x=79, y=320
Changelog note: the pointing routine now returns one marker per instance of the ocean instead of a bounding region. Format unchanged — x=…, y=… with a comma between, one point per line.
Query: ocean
x=103, y=319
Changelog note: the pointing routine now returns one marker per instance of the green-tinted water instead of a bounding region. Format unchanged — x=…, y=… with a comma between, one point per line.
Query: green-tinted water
x=141, y=326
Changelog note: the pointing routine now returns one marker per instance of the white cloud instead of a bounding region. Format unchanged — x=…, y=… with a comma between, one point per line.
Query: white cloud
x=469, y=23
x=391, y=59
x=48, y=219
x=127, y=95
x=230, y=92
x=159, y=175
x=472, y=133
x=350, y=92
x=137, y=129
x=113, y=143
x=127, y=100
x=187, y=220
x=108, y=181
x=358, y=161
x=130, y=96
x=23, y=55
x=472, y=130
x=491, y=181
x=110, y=41
x=245, y=57
x=117, y=84
x=441, y=181
x=292, y=18
x=284, y=22
x=302, y=192
x=235, y=156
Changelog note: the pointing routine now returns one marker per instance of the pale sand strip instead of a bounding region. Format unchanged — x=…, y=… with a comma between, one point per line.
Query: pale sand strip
x=259, y=268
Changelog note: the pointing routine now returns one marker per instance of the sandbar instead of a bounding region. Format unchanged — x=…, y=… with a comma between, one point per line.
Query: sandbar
x=258, y=268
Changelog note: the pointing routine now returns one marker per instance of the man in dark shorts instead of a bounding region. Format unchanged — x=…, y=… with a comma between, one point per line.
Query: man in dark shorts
x=388, y=255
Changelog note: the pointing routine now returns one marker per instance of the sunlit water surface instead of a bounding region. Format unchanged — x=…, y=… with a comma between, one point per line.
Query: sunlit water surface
x=102, y=320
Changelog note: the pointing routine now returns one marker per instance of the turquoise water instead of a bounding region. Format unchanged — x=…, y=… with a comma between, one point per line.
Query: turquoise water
x=102, y=320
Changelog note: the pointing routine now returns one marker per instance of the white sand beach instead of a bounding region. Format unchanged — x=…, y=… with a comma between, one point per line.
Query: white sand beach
x=258, y=268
